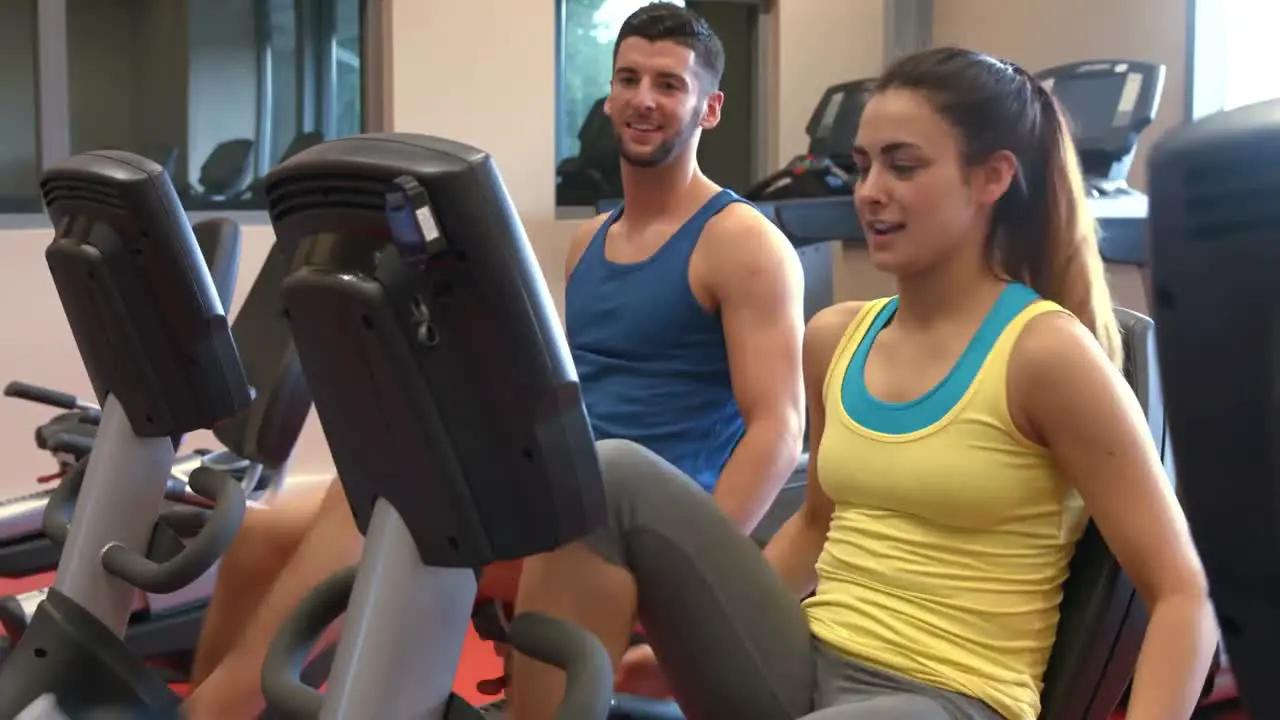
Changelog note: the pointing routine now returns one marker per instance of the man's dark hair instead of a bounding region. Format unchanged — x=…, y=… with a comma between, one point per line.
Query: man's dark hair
x=682, y=26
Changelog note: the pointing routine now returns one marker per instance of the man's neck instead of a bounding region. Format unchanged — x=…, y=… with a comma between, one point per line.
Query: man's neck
x=650, y=193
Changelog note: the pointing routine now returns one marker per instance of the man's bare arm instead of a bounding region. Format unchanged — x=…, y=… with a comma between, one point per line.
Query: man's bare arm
x=759, y=288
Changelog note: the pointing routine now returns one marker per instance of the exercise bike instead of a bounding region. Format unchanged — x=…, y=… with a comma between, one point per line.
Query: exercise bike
x=256, y=445
x=399, y=326
x=24, y=550
x=160, y=375
x=162, y=627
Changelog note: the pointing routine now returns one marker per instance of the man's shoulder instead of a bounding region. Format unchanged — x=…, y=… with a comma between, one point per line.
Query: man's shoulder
x=581, y=237
x=587, y=229
x=740, y=239
x=741, y=214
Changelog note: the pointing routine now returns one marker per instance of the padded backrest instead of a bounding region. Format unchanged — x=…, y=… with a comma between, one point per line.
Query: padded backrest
x=166, y=156
x=229, y=168
x=597, y=143
x=302, y=141
x=267, y=430
x=1103, y=620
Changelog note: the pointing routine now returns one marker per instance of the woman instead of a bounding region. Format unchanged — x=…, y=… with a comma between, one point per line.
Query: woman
x=963, y=432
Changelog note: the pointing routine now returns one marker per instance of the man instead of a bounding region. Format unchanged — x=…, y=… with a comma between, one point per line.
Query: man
x=684, y=315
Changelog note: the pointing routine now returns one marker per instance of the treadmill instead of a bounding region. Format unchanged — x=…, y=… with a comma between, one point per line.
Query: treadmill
x=1110, y=103
x=827, y=167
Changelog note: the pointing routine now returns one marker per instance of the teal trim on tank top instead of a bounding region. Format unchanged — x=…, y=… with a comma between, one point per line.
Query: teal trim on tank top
x=908, y=417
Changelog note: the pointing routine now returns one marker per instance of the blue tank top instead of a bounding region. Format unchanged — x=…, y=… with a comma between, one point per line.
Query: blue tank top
x=651, y=359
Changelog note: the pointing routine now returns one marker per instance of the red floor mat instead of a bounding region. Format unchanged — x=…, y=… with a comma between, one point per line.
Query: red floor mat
x=26, y=584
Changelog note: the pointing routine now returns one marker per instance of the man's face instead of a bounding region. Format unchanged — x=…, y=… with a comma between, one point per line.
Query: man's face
x=655, y=101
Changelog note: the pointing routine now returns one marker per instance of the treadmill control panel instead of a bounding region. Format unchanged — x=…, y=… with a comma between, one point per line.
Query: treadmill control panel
x=1109, y=103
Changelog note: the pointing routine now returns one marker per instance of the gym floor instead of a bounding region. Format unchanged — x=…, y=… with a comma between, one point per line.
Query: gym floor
x=479, y=662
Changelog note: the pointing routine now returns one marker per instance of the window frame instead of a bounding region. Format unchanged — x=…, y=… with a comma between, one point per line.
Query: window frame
x=53, y=101
x=908, y=28
x=1205, y=64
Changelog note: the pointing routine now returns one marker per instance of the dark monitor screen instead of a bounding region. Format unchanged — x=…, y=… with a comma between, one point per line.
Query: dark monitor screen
x=1090, y=101
x=1096, y=103
x=1108, y=104
x=834, y=121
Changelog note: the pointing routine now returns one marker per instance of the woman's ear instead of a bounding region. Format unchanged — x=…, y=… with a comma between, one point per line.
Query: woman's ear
x=998, y=175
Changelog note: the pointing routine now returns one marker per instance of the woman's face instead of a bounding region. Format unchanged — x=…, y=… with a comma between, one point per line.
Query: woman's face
x=918, y=203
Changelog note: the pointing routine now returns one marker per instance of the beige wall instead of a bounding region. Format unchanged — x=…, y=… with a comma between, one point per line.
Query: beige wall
x=1038, y=35
x=506, y=107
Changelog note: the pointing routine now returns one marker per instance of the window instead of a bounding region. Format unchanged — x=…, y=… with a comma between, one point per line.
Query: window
x=19, y=120
x=587, y=30
x=1234, y=54
x=216, y=91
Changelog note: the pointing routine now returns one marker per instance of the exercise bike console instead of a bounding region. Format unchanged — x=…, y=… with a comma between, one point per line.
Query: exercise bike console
x=1215, y=253
x=451, y=405
x=154, y=339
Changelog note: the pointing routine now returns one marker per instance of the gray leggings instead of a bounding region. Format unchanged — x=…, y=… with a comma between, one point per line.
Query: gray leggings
x=733, y=641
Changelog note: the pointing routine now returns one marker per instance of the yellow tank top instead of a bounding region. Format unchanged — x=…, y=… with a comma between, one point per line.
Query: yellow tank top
x=952, y=532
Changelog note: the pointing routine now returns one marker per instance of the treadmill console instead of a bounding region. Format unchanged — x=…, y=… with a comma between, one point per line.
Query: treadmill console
x=1109, y=104
x=825, y=169
x=835, y=120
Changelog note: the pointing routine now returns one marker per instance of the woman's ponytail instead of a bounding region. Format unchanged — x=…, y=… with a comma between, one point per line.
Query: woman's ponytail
x=1042, y=232
x=1052, y=244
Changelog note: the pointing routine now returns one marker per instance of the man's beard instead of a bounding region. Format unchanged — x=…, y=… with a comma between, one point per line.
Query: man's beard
x=665, y=151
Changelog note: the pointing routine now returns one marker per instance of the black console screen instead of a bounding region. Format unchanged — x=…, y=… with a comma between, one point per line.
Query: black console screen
x=1091, y=101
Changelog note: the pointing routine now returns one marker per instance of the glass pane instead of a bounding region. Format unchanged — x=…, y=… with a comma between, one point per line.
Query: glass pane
x=589, y=28
x=1252, y=53
x=283, y=56
x=588, y=31
x=349, y=87
x=217, y=91
x=19, y=100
